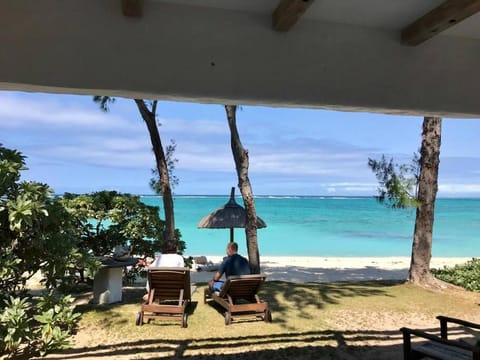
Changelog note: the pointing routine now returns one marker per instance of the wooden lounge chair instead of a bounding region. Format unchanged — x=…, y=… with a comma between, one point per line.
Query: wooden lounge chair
x=440, y=347
x=239, y=298
x=169, y=295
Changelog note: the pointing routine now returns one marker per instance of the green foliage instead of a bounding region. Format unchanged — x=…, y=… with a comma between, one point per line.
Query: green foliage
x=56, y=320
x=15, y=324
x=39, y=325
x=103, y=102
x=171, y=162
x=109, y=219
x=465, y=275
x=36, y=232
x=37, y=236
x=397, y=183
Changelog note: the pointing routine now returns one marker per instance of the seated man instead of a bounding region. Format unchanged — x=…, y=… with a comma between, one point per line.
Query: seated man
x=168, y=258
x=233, y=264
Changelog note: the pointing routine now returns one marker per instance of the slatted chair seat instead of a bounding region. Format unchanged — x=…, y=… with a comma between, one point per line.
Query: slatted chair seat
x=169, y=295
x=440, y=347
x=239, y=298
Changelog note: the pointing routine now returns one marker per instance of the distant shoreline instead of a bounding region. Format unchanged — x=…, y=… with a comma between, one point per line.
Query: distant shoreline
x=273, y=196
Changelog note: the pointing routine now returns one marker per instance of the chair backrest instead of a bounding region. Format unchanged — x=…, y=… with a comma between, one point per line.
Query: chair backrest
x=168, y=281
x=243, y=286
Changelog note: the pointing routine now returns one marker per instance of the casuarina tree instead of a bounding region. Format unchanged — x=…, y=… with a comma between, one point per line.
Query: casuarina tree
x=148, y=111
x=240, y=155
x=403, y=186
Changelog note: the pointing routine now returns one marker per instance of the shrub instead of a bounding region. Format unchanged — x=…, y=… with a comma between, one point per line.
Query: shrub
x=110, y=219
x=37, y=325
x=465, y=275
x=37, y=235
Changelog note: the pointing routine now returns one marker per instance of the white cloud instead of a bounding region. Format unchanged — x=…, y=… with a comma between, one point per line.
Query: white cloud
x=23, y=112
x=196, y=129
x=459, y=188
x=305, y=156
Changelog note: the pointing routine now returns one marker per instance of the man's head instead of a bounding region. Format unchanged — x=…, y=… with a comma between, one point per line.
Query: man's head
x=232, y=248
x=169, y=247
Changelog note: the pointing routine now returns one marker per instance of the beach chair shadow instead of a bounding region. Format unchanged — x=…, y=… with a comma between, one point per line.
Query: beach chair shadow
x=169, y=297
x=239, y=298
x=441, y=347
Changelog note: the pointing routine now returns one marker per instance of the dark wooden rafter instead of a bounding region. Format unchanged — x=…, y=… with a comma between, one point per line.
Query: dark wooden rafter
x=448, y=14
x=132, y=8
x=288, y=12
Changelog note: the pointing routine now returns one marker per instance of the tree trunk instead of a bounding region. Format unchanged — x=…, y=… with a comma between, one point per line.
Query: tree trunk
x=149, y=116
x=240, y=155
x=419, y=272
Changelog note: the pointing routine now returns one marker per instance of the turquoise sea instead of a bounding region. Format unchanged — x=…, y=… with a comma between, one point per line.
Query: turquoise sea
x=328, y=226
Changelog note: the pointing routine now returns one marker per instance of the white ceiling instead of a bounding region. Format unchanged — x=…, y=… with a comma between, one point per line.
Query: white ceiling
x=377, y=14
x=343, y=54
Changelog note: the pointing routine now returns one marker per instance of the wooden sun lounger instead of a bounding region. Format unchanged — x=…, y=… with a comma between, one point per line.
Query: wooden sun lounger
x=169, y=295
x=441, y=348
x=239, y=298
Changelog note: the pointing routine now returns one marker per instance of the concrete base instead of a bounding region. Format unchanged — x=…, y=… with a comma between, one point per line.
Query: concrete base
x=107, y=286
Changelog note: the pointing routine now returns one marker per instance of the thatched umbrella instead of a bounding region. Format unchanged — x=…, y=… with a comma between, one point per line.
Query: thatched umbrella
x=229, y=216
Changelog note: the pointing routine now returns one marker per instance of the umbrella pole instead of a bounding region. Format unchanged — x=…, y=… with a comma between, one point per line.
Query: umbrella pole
x=231, y=234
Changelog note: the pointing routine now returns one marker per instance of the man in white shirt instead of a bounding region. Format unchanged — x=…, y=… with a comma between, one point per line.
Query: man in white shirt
x=168, y=258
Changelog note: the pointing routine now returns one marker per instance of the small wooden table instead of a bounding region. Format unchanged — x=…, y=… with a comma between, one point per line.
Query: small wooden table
x=107, y=283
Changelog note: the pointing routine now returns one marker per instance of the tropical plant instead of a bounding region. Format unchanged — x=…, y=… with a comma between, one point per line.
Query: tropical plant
x=465, y=275
x=398, y=183
x=109, y=219
x=37, y=236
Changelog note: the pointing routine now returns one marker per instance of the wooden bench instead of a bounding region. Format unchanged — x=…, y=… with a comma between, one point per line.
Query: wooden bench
x=239, y=298
x=170, y=293
x=440, y=347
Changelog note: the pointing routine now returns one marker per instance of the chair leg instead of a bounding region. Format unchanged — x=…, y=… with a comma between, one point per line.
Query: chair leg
x=228, y=318
x=206, y=294
x=407, y=346
x=139, y=320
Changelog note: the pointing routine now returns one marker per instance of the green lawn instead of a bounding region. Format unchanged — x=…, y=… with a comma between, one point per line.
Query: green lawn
x=310, y=321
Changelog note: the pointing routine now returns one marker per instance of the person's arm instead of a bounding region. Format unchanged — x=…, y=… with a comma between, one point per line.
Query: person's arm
x=156, y=262
x=217, y=276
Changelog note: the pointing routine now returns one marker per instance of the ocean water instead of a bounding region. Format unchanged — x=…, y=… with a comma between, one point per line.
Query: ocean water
x=327, y=226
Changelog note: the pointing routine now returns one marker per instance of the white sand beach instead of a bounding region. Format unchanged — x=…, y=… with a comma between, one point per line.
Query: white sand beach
x=331, y=269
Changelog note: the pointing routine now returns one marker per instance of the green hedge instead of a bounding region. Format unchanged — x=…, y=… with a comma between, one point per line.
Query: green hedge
x=465, y=275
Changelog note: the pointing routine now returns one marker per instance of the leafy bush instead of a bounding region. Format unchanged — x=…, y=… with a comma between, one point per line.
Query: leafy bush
x=37, y=325
x=465, y=275
x=109, y=219
x=37, y=236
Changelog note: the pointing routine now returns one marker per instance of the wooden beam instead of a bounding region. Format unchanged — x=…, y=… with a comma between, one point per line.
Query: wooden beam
x=132, y=8
x=448, y=14
x=288, y=12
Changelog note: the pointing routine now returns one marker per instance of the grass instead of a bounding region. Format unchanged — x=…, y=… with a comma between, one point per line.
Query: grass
x=310, y=321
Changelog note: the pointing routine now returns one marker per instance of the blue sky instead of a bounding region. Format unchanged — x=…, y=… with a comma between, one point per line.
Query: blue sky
x=72, y=146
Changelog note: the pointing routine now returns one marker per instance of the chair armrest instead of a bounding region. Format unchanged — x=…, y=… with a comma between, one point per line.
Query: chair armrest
x=446, y=319
x=407, y=332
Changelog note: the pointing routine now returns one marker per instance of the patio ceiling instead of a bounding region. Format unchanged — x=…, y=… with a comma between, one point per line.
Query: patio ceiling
x=408, y=56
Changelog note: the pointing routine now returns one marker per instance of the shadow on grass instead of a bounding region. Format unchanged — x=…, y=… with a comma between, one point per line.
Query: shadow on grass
x=210, y=342
x=281, y=296
x=309, y=297
x=327, y=344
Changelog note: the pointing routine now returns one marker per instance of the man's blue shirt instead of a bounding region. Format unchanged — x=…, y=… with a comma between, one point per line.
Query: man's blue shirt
x=234, y=265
